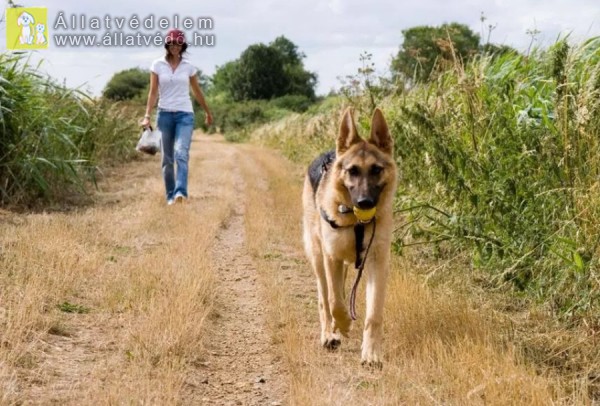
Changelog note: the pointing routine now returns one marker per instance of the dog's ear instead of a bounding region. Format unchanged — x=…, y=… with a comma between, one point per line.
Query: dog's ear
x=380, y=135
x=21, y=21
x=348, y=135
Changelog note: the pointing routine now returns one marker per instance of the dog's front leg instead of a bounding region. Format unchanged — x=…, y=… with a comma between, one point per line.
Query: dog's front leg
x=377, y=273
x=334, y=270
x=328, y=339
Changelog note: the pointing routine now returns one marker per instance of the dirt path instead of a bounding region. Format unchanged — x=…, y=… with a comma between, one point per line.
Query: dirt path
x=242, y=366
x=171, y=306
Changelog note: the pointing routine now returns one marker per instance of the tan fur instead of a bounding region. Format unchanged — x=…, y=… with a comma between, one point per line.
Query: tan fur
x=329, y=249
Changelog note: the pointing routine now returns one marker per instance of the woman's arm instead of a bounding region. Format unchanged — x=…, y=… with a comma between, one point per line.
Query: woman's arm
x=152, y=96
x=200, y=98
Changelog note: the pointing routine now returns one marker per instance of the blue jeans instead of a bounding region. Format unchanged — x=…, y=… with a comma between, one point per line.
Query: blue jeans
x=176, y=128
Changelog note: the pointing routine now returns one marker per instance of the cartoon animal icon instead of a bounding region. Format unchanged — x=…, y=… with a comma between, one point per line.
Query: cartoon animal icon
x=40, y=38
x=24, y=21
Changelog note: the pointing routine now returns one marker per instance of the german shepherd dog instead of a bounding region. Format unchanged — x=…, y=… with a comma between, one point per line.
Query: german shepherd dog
x=358, y=175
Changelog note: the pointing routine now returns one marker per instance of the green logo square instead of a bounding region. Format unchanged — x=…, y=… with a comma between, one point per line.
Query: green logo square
x=27, y=28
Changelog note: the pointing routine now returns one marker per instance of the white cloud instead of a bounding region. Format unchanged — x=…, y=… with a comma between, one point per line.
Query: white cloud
x=337, y=6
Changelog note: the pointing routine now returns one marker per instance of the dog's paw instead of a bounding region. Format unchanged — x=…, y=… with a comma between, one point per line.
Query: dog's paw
x=332, y=344
x=371, y=355
x=378, y=365
x=331, y=341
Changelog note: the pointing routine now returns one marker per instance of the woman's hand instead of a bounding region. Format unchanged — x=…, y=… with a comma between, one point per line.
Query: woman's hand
x=145, y=123
x=208, y=118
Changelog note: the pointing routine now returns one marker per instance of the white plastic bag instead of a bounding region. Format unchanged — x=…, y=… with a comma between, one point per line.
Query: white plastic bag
x=149, y=142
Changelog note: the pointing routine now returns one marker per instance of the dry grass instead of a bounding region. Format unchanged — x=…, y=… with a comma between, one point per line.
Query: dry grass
x=137, y=277
x=139, y=282
x=440, y=349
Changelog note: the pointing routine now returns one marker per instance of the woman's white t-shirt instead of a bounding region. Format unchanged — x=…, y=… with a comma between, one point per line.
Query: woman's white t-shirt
x=174, y=86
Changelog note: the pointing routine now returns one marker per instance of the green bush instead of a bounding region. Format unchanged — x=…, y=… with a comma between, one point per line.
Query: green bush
x=502, y=157
x=292, y=102
x=128, y=84
x=232, y=116
x=237, y=119
x=52, y=138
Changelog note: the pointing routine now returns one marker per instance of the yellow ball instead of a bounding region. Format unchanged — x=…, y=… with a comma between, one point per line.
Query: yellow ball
x=364, y=215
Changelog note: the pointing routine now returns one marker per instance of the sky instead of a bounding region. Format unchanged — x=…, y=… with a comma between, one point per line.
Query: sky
x=331, y=33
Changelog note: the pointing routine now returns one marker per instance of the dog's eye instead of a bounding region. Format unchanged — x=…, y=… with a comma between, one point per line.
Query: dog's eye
x=354, y=171
x=376, y=170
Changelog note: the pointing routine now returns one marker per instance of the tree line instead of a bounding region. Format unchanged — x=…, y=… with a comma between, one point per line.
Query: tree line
x=270, y=71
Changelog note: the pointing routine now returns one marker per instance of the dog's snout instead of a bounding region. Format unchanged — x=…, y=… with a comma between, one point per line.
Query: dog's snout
x=365, y=203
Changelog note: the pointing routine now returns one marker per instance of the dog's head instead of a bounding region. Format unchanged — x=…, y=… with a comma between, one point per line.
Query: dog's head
x=40, y=27
x=365, y=168
x=25, y=19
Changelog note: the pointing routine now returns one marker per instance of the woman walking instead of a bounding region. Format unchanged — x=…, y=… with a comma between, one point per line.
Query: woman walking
x=170, y=80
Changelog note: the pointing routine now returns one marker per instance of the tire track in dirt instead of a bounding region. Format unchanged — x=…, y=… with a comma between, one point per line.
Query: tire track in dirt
x=242, y=366
x=238, y=364
x=317, y=376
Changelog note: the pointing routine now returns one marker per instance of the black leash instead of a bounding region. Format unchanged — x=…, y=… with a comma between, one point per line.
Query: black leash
x=359, y=232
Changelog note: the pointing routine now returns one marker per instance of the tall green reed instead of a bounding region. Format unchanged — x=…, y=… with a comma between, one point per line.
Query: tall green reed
x=502, y=156
x=53, y=139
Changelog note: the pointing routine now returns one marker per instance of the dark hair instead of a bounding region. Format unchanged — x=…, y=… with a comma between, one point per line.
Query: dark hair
x=168, y=53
